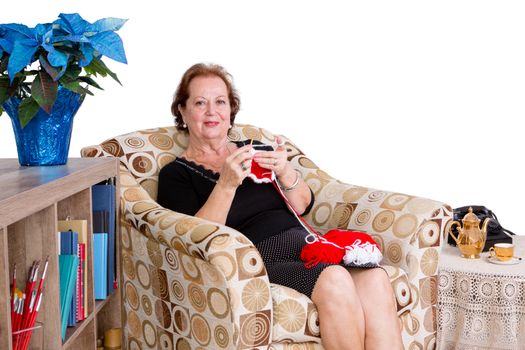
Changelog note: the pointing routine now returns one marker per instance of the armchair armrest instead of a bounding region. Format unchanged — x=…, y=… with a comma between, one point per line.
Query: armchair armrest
x=401, y=224
x=410, y=231
x=296, y=317
x=202, y=245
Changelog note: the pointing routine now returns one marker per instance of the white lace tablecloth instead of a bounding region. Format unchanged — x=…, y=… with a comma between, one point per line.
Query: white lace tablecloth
x=481, y=305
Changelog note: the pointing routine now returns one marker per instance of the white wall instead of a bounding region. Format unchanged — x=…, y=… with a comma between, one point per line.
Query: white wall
x=420, y=97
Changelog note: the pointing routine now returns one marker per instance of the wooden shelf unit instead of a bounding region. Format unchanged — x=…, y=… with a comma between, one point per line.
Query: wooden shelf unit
x=32, y=200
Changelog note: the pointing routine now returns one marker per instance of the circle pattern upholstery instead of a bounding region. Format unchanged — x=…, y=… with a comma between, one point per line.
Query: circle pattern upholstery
x=193, y=284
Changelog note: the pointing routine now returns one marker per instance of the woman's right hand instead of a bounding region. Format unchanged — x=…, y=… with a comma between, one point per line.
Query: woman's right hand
x=236, y=167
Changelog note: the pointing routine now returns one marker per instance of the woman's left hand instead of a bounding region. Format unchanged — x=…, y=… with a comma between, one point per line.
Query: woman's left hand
x=276, y=160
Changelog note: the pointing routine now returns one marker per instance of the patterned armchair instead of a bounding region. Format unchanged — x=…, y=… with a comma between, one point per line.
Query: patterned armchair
x=192, y=284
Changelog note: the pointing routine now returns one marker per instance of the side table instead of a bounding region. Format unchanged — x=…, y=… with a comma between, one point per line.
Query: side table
x=480, y=305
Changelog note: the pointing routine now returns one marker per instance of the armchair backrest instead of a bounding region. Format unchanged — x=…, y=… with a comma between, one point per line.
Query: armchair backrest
x=145, y=152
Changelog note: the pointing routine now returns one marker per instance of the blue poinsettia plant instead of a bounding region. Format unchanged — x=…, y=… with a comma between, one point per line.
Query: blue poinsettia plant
x=35, y=62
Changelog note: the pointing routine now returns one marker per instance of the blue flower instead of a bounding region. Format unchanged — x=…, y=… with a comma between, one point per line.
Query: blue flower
x=63, y=50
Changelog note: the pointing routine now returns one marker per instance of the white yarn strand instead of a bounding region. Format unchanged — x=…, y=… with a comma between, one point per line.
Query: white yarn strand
x=362, y=253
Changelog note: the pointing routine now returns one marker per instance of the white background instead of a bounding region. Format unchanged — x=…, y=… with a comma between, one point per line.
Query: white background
x=419, y=97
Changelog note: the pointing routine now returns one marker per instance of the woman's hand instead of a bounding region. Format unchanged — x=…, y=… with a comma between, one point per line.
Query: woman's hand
x=236, y=167
x=274, y=160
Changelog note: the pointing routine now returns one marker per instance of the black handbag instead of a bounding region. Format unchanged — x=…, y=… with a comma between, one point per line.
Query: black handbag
x=495, y=232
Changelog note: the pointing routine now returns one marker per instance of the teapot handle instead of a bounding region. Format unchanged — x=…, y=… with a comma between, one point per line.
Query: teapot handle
x=452, y=223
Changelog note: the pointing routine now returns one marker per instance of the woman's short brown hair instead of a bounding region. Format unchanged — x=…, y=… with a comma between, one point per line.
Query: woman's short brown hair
x=198, y=70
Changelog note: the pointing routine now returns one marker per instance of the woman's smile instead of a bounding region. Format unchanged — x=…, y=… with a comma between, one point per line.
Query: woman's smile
x=211, y=124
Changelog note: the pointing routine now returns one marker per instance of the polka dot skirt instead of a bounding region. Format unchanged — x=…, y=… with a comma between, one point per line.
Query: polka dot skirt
x=283, y=264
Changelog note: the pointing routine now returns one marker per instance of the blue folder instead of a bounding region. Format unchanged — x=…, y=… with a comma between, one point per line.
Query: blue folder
x=100, y=266
x=69, y=246
x=67, y=266
x=103, y=199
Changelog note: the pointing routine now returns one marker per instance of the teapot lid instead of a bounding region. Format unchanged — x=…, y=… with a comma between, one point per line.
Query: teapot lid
x=470, y=216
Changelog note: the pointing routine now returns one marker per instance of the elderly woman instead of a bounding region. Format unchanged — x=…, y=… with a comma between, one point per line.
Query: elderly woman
x=209, y=180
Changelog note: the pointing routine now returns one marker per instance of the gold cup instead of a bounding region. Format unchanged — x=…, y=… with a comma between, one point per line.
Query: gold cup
x=502, y=251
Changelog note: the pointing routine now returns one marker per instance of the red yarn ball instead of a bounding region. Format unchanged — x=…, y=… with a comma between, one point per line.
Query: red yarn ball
x=317, y=252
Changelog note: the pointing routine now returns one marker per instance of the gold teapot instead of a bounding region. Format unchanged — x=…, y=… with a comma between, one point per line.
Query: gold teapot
x=471, y=239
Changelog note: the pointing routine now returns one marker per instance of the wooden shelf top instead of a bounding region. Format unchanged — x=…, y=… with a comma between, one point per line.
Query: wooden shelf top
x=28, y=189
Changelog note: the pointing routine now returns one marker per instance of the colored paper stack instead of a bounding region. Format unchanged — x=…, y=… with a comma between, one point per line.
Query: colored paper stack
x=25, y=306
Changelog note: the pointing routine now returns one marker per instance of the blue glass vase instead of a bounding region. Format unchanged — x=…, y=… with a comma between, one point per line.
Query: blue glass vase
x=45, y=139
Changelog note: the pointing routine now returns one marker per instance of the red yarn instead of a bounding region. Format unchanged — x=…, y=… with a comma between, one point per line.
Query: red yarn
x=317, y=252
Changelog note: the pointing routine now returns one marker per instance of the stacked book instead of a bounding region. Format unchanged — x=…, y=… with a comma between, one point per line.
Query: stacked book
x=73, y=276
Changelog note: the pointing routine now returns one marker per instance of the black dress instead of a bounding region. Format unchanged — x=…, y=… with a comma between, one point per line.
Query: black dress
x=257, y=210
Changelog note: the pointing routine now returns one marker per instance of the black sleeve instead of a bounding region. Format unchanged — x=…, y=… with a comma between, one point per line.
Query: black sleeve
x=176, y=191
x=309, y=207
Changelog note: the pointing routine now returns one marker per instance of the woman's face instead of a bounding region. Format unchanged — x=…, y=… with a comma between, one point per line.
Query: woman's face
x=207, y=112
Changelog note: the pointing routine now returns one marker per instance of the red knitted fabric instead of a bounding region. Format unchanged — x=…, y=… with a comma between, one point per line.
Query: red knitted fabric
x=259, y=174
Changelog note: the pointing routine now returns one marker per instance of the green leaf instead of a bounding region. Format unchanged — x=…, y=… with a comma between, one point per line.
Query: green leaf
x=3, y=94
x=90, y=81
x=44, y=90
x=27, y=110
x=4, y=82
x=3, y=64
x=71, y=74
x=76, y=87
x=98, y=66
x=17, y=82
x=114, y=76
x=29, y=72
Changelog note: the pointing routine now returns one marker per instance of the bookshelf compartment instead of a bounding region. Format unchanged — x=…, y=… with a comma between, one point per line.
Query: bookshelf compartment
x=5, y=280
x=78, y=207
x=31, y=239
x=84, y=336
x=32, y=200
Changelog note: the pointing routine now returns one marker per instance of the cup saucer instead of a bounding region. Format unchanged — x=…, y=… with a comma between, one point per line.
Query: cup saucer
x=513, y=261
